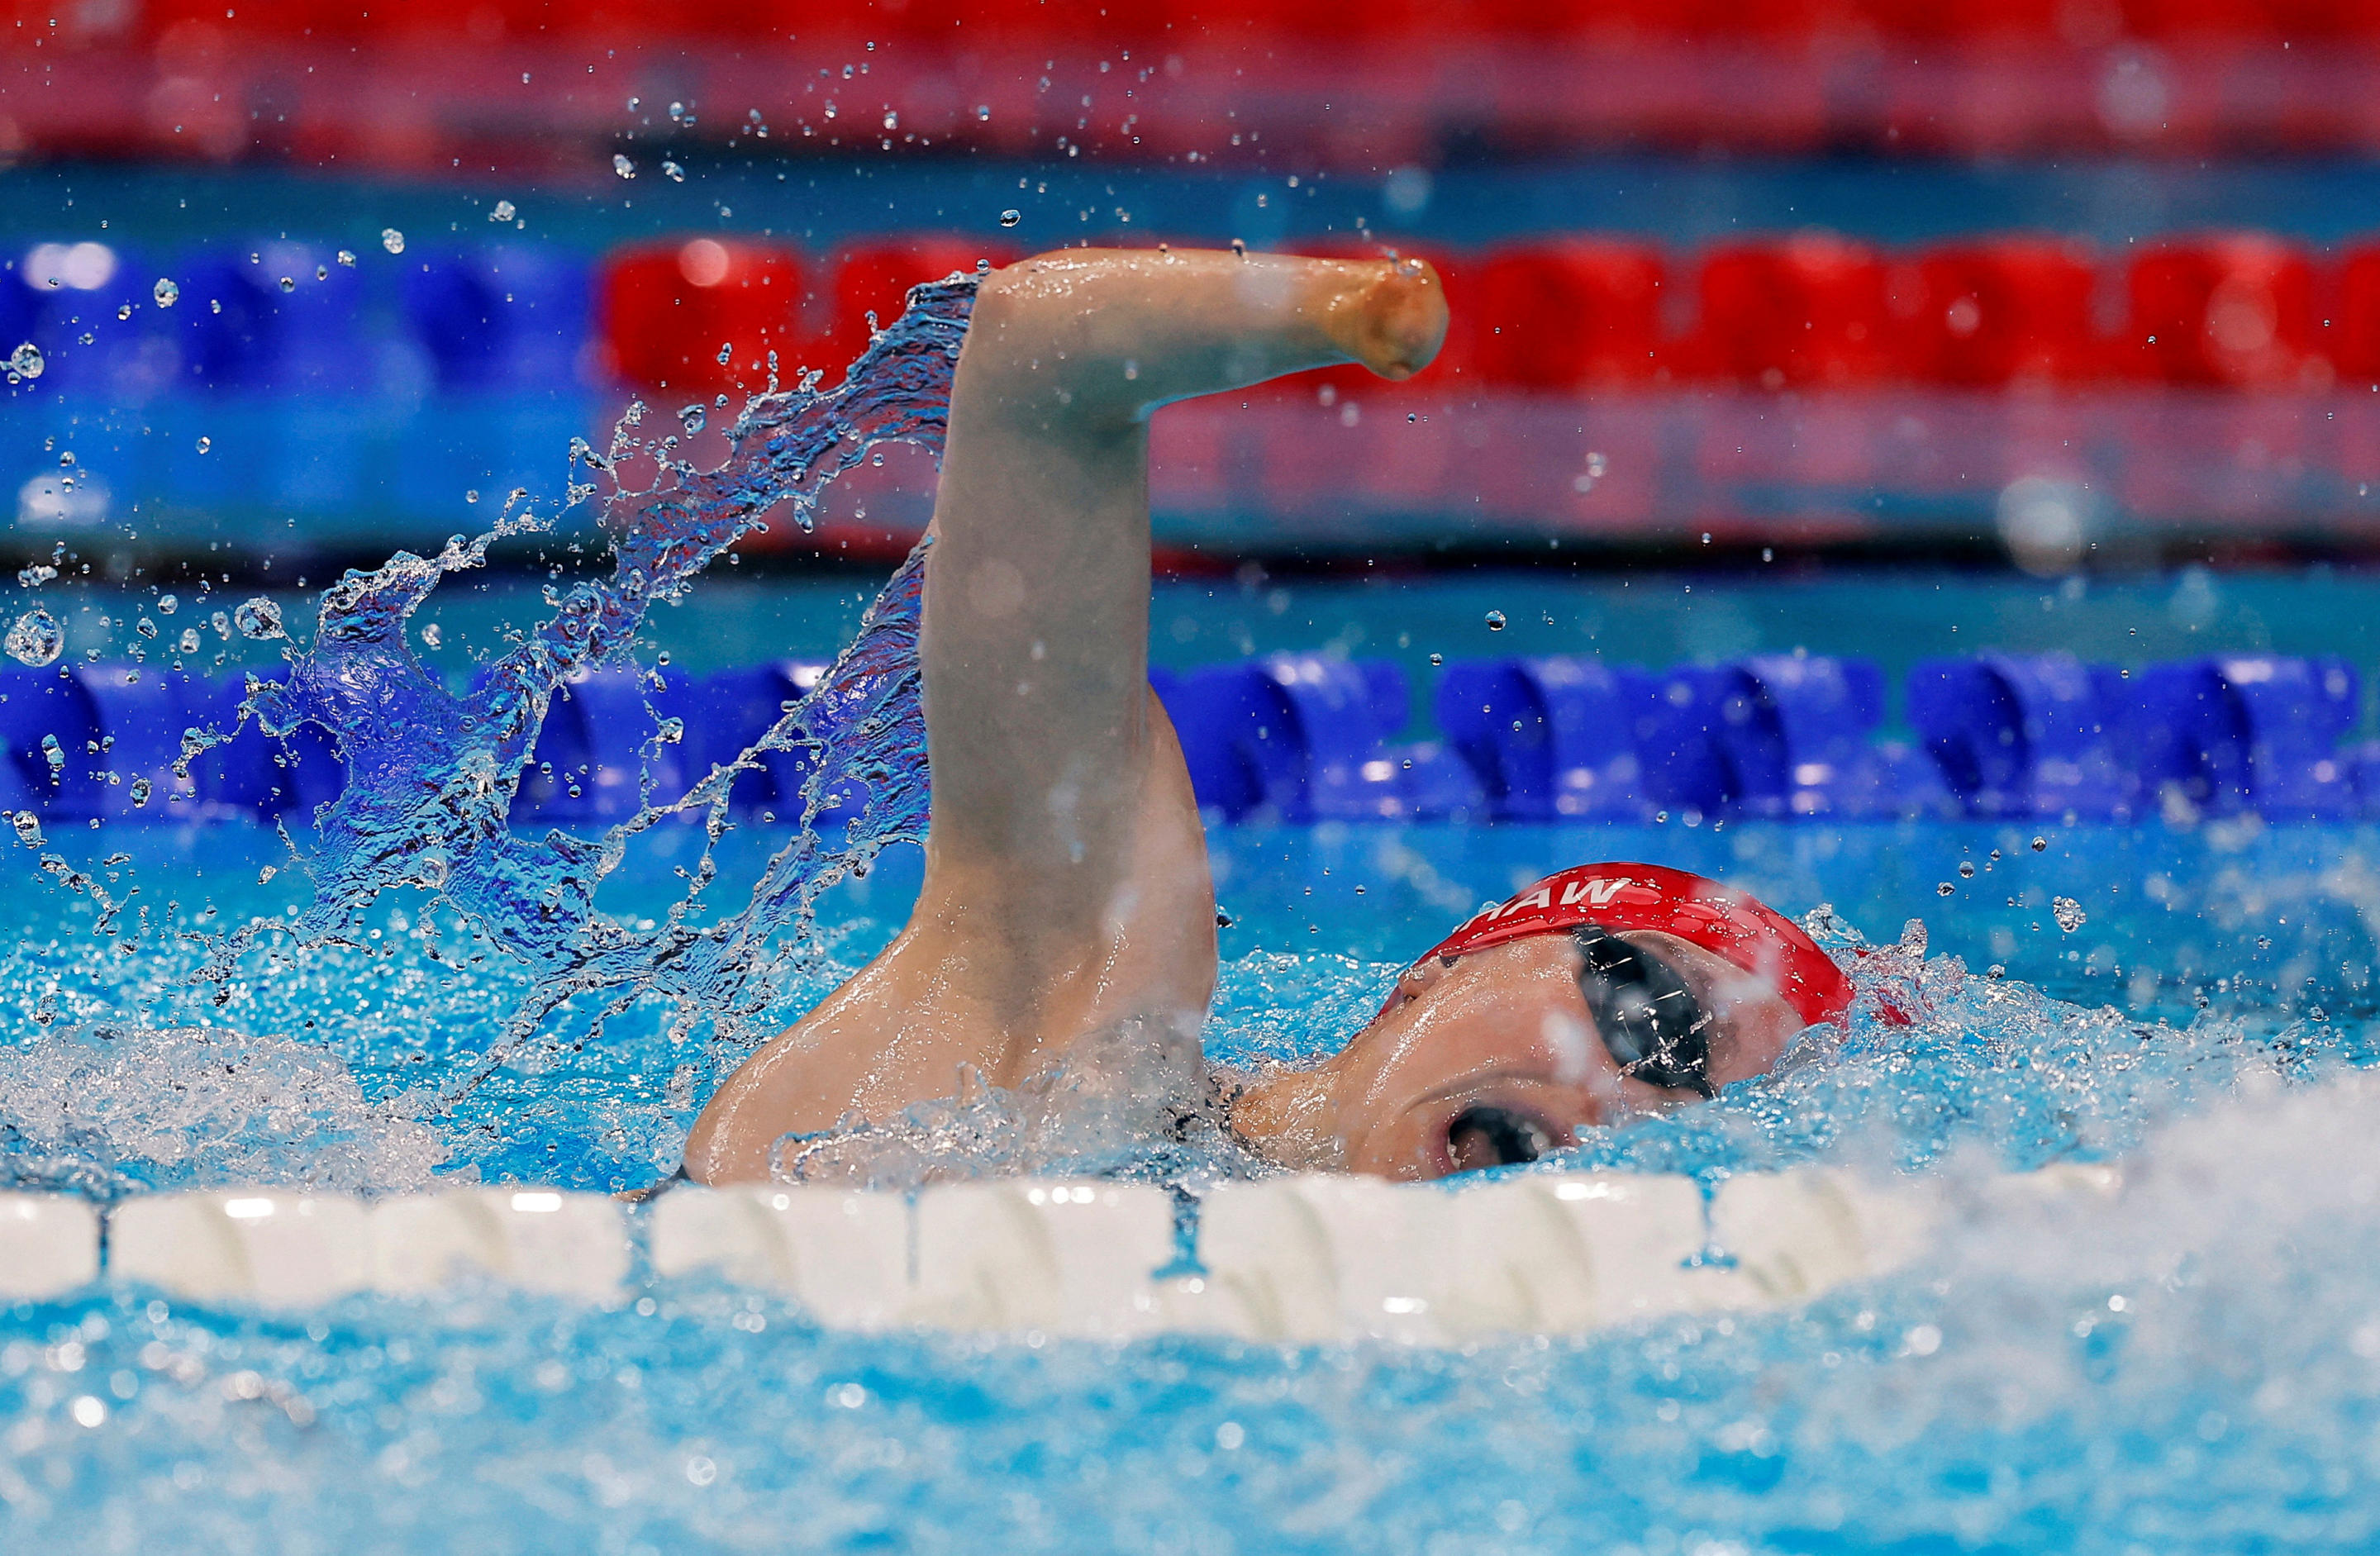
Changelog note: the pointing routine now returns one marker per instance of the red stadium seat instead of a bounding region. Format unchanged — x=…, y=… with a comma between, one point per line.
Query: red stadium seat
x=877, y=277
x=2354, y=334
x=2235, y=312
x=1946, y=21
x=1808, y=311
x=2300, y=21
x=2004, y=310
x=1567, y=314
x=669, y=309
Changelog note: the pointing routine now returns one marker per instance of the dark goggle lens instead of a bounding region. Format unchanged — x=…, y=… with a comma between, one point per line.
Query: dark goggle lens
x=1654, y=1027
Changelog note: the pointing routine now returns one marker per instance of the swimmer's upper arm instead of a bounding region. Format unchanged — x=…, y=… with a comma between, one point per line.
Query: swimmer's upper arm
x=1038, y=719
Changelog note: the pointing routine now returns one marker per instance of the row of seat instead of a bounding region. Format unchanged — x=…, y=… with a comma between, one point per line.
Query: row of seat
x=951, y=23
x=707, y=314
x=1301, y=1260
x=506, y=319
x=2237, y=310
x=1306, y=738
x=2246, y=310
x=437, y=87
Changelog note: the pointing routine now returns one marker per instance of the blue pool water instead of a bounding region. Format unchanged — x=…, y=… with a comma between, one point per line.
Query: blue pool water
x=2188, y=1367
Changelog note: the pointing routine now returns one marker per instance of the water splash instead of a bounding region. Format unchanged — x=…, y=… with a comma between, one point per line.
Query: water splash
x=432, y=775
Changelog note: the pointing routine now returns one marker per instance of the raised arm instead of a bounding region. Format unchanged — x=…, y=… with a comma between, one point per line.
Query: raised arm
x=1036, y=594
x=1067, y=885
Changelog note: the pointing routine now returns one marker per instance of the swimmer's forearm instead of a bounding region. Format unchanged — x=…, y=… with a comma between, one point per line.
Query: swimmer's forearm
x=1037, y=595
x=1083, y=333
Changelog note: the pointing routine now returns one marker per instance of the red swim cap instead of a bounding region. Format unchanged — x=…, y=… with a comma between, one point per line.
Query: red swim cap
x=1737, y=927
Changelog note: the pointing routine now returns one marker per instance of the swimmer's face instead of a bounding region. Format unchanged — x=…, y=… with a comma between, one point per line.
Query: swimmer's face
x=1499, y=1058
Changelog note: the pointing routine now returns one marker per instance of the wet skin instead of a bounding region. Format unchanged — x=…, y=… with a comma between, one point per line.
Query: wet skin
x=1066, y=887
x=1507, y=1029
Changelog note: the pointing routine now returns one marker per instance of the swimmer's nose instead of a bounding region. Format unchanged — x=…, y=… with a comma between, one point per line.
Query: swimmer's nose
x=1401, y=320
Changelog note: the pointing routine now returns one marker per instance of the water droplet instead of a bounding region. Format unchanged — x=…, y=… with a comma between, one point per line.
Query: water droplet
x=1596, y=464
x=1945, y=888
x=258, y=618
x=1010, y=218
x=1966, y=870
x=431, y=636
x=55, y=754
x=2068, y=912
x=983, y=111
x=26, y=361
x=321, y=273
x=346, y=257
x=35, y=575
x=694, y=417
x=141, y=791
x=36, y=639
x=28, y=825
x=2039, y=844
x=726, y=349
x=146, y=627
x=205, y=443
x=673, y=172
x=500, y=211
x=124, y=311
x=289, y=283
x=1495, y=621
x=622, y=166
x=392, y=240
x=1437, y=659
x=190, y=639
x=167, y=293
x=168, y=603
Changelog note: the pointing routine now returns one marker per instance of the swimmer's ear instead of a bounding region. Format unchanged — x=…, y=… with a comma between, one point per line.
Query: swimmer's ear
x=1417, y=980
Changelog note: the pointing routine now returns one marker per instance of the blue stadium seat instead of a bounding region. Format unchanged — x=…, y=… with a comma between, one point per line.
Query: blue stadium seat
x=2243, y=732
x=1677, y=723
x=142, y=711
x=1547, y=738
x=1296, y=737
x=1797, y=729
x=52, y=730
x=505, y=319
x=257, y=774
x=2021, y=737
x=589, y=753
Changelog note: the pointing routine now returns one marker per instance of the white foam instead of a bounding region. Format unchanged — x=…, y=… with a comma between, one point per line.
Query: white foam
x=542, y=1240
x=844, y=1255
x=1058, y=1256
x=279, y=1249
x=49, y=1244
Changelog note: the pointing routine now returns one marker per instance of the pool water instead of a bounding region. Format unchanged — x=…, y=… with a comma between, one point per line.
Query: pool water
x=2189, y=1368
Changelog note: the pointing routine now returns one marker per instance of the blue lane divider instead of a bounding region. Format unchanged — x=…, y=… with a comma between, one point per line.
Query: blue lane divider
x=1306, y=738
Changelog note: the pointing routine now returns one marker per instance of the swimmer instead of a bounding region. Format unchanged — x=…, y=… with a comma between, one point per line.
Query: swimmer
x=1066, y=890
